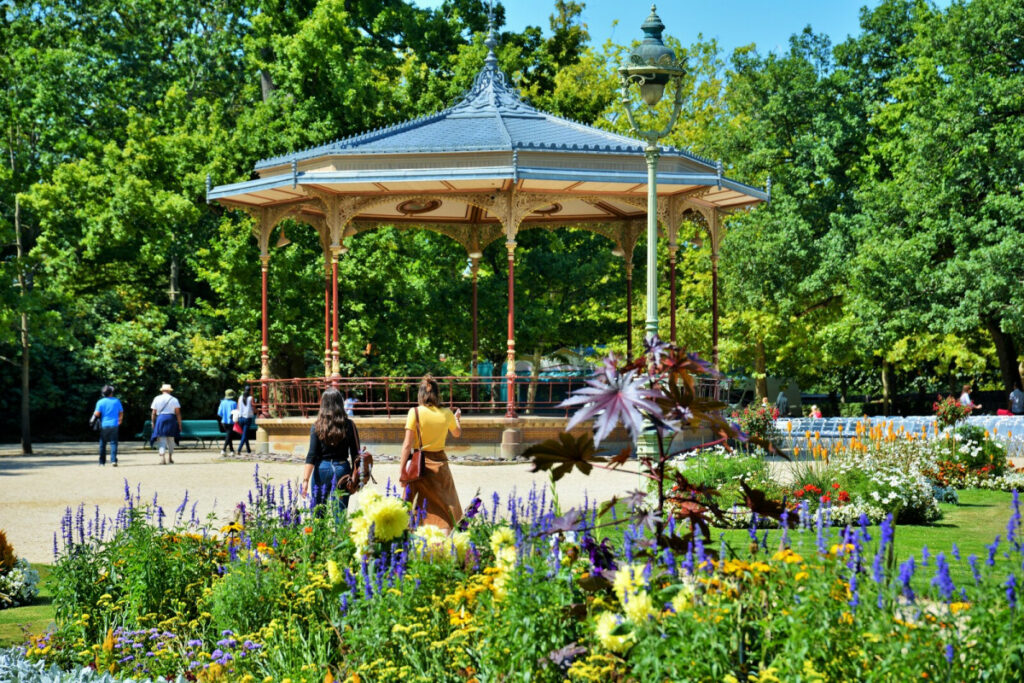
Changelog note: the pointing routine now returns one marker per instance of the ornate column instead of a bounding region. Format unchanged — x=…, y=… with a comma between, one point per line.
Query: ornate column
x=336, y=251
x=715, y=232
x=265, y=347
x=327, y=318
x=510, y=369
x=673, y=250
x=474, y=272
x=629, y=308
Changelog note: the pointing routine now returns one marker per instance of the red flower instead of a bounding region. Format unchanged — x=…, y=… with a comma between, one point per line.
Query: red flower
x=826, y=499
x=844, y=497
x=798, y=493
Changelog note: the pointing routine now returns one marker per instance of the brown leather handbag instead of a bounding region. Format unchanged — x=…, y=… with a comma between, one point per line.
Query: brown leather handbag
x=414, y=466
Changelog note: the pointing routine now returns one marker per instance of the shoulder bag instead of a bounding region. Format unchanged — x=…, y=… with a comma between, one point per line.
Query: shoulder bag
x=414, y=465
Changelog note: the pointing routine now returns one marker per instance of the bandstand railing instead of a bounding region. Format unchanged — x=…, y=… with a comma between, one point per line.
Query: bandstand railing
x=386, y=396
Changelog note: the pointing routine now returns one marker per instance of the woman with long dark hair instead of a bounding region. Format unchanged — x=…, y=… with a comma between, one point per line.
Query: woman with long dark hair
x=333, y=449
x=427, y=427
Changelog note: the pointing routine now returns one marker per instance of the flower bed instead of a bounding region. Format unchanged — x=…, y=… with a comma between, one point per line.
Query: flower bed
x=282, y=593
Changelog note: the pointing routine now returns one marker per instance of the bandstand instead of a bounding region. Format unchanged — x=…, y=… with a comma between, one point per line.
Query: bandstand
x=480, y=171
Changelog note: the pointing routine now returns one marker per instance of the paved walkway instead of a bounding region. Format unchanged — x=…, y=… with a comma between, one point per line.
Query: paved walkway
x=35, y=490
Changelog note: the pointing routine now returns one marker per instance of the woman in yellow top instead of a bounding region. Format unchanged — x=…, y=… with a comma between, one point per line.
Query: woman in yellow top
x=435, y=491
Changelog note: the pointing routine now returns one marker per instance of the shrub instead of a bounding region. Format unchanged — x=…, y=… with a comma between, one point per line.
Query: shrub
x=18, y=581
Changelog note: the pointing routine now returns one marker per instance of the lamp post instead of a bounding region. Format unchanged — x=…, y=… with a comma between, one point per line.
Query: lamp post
x=651, y=66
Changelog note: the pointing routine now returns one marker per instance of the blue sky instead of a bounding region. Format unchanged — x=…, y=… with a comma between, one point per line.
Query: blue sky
x=768, y=23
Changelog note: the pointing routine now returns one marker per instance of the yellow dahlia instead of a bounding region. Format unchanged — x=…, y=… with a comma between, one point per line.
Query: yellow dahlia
x=606, y=623
x=389, y=517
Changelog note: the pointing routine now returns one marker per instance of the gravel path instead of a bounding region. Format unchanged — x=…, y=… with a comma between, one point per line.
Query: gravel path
x=35, y=490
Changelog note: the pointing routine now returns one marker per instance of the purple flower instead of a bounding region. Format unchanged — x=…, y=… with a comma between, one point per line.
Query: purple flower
x=1011, y=591
x=942, y=579
x=949, y=652
x=993, y=548
x=924, y=556
x=973, y=561
x=613, y=397
x=906, y=574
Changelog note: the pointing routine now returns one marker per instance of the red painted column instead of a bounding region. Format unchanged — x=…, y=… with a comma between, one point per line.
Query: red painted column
x=335, y=369
x=714, y=307
x=265, y=347
x=327, y=320
x=629, y=310
x=510, y=371
x=672, y=290
x=476, y=336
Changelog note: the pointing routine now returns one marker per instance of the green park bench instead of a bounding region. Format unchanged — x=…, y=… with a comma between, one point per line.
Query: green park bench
x=202, y=431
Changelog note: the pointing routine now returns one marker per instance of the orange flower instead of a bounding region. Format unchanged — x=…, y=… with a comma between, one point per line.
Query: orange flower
x=307, y=529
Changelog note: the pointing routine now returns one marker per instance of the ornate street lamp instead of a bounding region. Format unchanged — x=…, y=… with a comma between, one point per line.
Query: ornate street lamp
x=651, y=66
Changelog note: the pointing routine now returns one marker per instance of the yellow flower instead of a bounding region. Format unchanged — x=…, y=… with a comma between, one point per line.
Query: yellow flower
x=682, y=599
x=787, y=556
x=628, y=580
x=956, y=607
x=436, y=544
x=639, y=607
x=389, y=517
x=359, y=530
x=505, y=558
x=369, y=499
x=606, y=623
x=800, y=576
x=501, y=538
x=812, y=674
x=845, y=549
x=333, y=573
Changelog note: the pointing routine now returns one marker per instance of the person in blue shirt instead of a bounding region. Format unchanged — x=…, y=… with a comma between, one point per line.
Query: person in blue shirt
x=227, y=413
x=110, y=413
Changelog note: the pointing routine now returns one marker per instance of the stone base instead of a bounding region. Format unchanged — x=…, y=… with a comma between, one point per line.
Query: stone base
x=486, y=438
x=511, y=443
x=262, y=441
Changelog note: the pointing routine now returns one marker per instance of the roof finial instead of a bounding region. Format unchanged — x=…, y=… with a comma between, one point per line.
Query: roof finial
x=491, y=41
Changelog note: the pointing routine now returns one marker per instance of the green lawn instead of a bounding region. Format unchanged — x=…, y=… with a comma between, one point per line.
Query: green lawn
x=971, y=525
x=34, y=618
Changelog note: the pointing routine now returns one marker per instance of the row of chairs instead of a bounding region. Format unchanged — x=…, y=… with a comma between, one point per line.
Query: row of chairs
x=1005, y=429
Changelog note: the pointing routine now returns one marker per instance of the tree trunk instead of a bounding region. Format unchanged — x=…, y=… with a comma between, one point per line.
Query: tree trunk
x=760, y=373
x=174, y=279
x=1006, y=350
x=886, y=389
x=23, y=287
x=266, y=80
x=531, y=393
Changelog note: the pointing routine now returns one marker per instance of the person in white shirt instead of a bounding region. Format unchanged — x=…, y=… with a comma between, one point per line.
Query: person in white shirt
x=246, y=414
x=965, y=398
x=166, y=420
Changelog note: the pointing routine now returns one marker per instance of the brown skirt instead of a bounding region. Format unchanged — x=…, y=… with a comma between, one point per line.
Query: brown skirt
x=435, y=492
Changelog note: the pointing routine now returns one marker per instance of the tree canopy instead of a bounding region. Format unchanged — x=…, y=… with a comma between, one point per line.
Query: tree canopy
x=890, y=254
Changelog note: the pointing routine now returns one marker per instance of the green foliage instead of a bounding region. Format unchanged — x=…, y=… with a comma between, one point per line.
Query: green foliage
x=891, y=243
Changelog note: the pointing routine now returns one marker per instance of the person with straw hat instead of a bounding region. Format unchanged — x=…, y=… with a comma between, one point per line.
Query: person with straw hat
x=166, y=422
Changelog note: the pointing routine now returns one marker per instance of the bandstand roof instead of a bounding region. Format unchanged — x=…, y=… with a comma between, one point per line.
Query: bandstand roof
x=428, y=170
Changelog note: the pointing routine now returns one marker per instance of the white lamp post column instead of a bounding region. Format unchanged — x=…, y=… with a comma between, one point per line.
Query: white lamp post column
x=651, y=66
